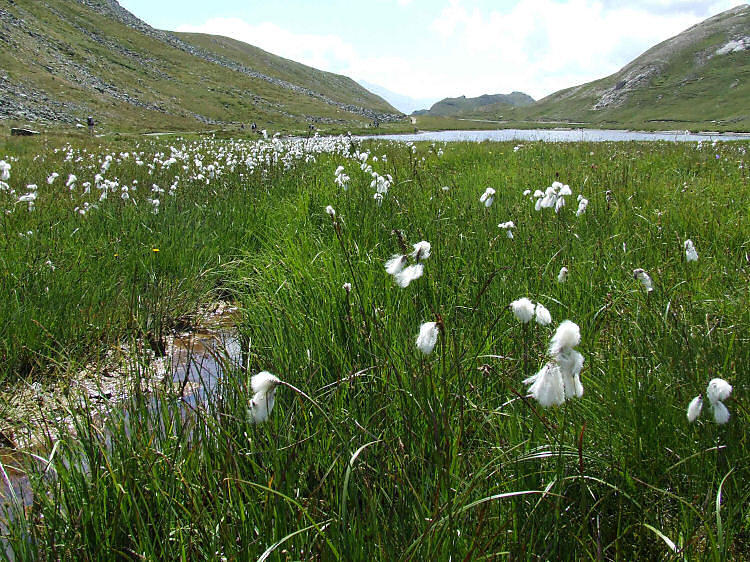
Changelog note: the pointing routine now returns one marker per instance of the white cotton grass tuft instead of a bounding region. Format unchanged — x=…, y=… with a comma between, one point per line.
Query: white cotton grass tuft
x=409, y=274
x=570, y=363
x=264, y=395
x=721, y=413
x=508, y=227
x=347, y=287
x=717, y=391
x=690, y=253
x=421, y=250
x=694, y=408
x=547, y=386
x=567, y=336
x=428, y=336
x=487, y=197
x=543, y=316
x=560, y=378
x=562, y=277
x=331, y=211
x=341, y=179
x=395, y=264
x=644, y=278
x=523, y=309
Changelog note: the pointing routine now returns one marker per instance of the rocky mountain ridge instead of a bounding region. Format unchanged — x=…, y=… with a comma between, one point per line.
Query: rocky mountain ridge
x=64, y=59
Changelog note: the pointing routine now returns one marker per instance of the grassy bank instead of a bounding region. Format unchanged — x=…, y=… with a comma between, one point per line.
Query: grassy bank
x=388, y=453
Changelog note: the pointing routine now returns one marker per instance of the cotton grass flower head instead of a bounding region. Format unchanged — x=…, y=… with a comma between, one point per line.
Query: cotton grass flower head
x=421, y=251
x=543, y=316
x=264, y=395
x=562, y=277
x=570, y=363
x=690, y=253
x=508, y=227
x=560, y=378
x=694, y=408
x=331, y=211
x=644, y=278
x=582, y=204
x=547, y=386
x=428, y=336
x=408, y=274
x=487, y=197
x=567, y=336
x=396, y=264
x=717, y=391
x=4, y=170
x=523, y=309
x=721, y=413
x=341, y=179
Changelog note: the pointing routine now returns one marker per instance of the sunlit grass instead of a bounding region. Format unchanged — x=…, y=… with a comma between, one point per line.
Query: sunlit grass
x=392, y=453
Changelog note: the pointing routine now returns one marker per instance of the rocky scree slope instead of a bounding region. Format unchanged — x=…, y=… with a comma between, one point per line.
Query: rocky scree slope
x=64, y=59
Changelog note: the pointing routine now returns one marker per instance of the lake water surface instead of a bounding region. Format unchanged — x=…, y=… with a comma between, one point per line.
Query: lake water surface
x=565, y=135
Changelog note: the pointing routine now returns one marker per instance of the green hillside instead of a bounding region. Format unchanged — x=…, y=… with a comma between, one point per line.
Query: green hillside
x=62, y=60
x=337, y=87
x=467, y=106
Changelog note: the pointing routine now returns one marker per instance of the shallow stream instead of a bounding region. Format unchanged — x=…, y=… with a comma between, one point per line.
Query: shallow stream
x=195, y=365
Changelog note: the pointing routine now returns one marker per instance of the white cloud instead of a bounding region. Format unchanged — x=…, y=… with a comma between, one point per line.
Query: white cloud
x=535, y=46
x=325, y=52
x=545, y=45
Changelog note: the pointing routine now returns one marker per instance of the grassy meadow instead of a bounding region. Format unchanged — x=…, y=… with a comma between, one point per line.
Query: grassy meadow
x=381, y=451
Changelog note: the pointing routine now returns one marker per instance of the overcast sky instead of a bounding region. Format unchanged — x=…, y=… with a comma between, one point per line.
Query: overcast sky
x=431, y=49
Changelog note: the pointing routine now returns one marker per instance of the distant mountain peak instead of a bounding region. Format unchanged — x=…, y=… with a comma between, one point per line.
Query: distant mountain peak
x=463, y=105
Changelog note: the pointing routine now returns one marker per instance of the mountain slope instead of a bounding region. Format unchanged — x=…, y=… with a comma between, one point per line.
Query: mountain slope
x=334, y=86
x=465, y=106
x=699, y=77
x=62, y=60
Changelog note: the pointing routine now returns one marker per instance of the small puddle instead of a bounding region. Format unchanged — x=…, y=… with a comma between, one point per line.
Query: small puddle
x=194, y=363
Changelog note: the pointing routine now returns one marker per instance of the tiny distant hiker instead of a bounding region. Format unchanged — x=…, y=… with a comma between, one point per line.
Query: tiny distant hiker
x=90, y=122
